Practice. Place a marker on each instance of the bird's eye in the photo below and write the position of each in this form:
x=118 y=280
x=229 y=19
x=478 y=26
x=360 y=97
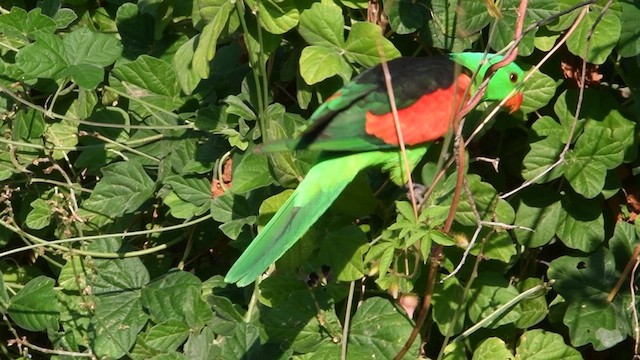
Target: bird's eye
x=513 y=77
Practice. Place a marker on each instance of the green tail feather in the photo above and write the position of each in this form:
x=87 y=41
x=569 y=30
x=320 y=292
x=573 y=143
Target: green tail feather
x=320 y=188
x=322 y=185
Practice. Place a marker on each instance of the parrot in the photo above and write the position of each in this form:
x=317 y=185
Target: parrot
x=354 y=129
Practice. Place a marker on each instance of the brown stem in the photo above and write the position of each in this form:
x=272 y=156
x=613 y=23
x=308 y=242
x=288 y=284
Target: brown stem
x=436 y=251
x=625 y=272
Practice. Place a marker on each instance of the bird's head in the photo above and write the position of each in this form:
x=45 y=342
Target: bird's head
x=502 y=82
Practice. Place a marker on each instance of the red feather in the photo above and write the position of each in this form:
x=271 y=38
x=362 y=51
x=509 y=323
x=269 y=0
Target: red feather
x=426 y=120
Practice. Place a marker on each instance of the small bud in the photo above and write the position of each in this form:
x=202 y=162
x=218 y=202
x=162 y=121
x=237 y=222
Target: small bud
x=409 y=302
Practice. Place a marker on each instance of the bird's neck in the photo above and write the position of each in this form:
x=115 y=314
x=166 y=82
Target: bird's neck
x=475 y=62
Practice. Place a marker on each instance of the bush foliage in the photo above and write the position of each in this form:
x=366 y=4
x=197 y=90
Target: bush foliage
x=129 y=184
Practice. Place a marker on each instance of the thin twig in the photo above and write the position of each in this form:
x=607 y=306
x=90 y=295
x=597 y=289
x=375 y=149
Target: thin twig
x=103 y=255
x=499 y=311
x=347 y=321
x=632 y=290
x=93 y=123
x=474 y=238
x=396 y=121
x=633 y=259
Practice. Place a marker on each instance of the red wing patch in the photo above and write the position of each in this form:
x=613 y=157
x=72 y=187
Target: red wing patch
x=426 y=120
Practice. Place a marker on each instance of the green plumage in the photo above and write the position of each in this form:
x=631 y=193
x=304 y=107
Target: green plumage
x=338 y=128
x=322 y=185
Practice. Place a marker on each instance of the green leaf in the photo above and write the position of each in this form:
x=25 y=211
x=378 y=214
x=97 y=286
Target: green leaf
x=276 y=17
x=35 y=307
x=112 y=275
x=584 y=278
x=51 y=57
x=242 y=343
x=405 y=16
x=595 y=152
x=532 y=310
x=18 y=26
x=4 y=296
x=383 y=341
x=548 y=126
x=594 y=323
x=85 y=75
x=167 y=336
x=537 y=10
x=40 y=215
x=543 y=154
x=294 y=321
x=238 y=107
x=630 y=30
x=499 y=247
x=492 y=348
x=206 y=42
x=150 y=76
x=366 y=45
x=64 y=17
x=343 y=250
x=545 y=39
x=537 y=92
x=490 y=292
x=622 y=243
x=539 y=344
x=250 y=171
x=187 y=75
x=288 y=167
x=454 y=26
x=28 y=124
x=195 y=190
x=85 y=47
x=603 y=39
x=318 y=63
x=201 y=346
x=176 y=296
x=539 y=210
x=621 y=130
x=275 y=290
x=487 y=202
x=118 y=318
x=455 y=351
x=234 y=212
x=125 y=186
x=580 y=223
x=448 y=303
x=322 y=25
x=57 y=135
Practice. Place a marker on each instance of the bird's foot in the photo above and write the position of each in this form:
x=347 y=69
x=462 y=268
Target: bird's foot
x=419 y=191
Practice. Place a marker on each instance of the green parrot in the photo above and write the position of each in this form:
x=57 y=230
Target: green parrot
x=355 y=129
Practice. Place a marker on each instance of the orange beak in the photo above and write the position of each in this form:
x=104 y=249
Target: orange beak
x=513 y=104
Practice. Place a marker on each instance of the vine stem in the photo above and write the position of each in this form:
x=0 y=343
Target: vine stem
x=499 y=311
x=347 y=321
x=54 y=115
x=636 y=325
x=104 y=255
x=630 y=264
